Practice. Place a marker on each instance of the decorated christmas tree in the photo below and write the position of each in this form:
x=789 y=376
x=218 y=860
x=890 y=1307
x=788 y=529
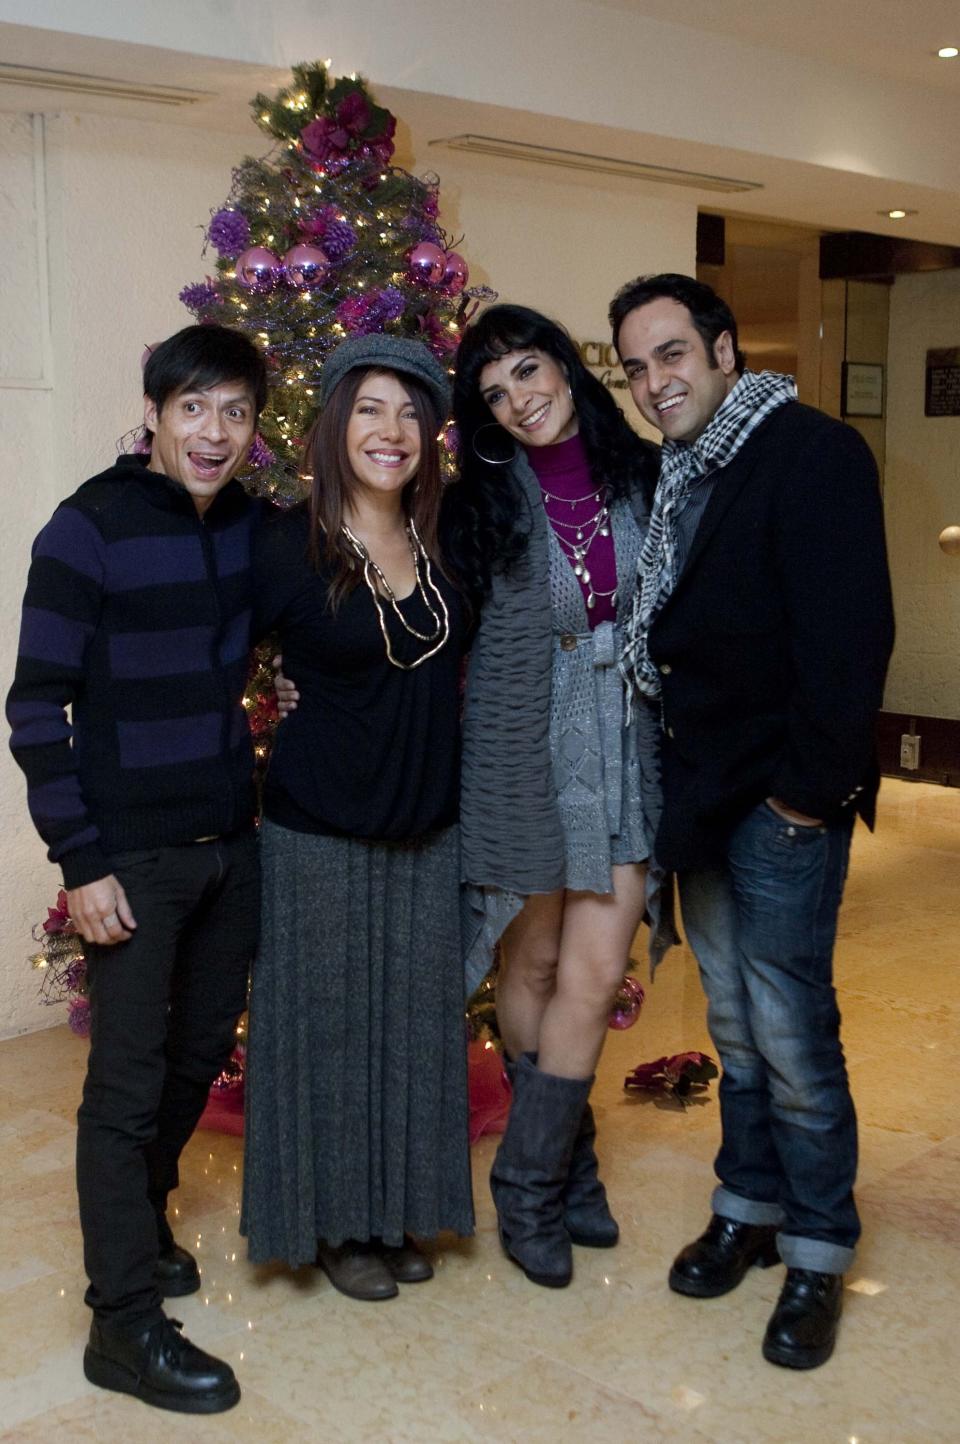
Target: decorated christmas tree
x=321 y=238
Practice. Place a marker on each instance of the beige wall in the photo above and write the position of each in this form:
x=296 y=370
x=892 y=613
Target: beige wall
x=126 y=202
x=921 y=496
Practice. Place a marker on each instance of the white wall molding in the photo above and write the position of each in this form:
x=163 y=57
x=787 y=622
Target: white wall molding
x=42 y=377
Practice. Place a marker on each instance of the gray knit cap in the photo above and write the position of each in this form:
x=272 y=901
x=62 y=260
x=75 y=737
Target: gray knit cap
x=388 y=353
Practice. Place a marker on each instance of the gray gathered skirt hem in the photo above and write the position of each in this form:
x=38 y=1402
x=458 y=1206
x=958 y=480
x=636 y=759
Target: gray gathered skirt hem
x=356 y=1089
x=487 y=911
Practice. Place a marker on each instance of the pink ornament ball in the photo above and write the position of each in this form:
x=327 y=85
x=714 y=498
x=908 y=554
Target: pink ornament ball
x=455 y=273
x=426 y=263
x=258 y=269
x=305 y=265
x=627 y=1004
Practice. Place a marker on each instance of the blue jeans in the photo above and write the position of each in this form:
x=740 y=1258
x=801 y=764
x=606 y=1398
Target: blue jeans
x=762 y=926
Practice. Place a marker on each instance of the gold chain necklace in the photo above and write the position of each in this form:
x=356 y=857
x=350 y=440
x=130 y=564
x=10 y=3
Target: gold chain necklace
x=441 y=619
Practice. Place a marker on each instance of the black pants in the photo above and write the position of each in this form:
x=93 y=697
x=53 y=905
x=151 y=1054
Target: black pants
x=164 y=1007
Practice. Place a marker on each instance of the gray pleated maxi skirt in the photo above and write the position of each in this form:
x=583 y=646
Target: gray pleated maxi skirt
x=356 y=1084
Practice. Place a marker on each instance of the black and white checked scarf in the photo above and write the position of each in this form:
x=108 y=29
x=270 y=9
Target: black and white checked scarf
x=682 y=467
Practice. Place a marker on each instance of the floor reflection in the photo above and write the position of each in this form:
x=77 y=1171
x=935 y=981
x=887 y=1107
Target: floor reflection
x=479 y=1353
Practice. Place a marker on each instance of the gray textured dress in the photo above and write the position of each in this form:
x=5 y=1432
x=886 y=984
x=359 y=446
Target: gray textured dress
x=356 y=1098
x=558 y=784
x=357 y=1084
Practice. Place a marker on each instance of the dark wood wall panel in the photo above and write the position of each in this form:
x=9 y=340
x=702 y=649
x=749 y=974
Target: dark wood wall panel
x=939 y=747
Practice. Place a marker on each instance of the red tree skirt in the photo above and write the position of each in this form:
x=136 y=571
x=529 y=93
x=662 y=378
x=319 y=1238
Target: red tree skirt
x=488 y=1086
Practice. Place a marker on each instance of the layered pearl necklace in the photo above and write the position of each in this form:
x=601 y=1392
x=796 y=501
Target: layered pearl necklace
x=379 y=587
x=577 y=547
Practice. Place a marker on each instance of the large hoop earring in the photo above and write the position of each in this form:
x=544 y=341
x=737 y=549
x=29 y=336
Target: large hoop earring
x=501 y=460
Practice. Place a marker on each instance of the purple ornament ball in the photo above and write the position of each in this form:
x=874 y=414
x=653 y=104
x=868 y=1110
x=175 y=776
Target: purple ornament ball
x=426 y=263
x=455 y=273
x=78 y=1016
x=305 y=265
x=627 y=1004
x=258 y=269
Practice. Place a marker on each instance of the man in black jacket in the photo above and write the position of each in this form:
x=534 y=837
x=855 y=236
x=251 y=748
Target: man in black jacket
x=761 y=630
x=137 y=619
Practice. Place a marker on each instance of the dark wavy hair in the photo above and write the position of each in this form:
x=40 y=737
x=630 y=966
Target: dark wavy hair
x=486 y=526
x=333 y=482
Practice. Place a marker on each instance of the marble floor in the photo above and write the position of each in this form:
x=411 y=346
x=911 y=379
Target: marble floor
x=479 y=1354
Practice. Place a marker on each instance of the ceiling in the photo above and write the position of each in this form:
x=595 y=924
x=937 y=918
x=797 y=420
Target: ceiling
x=818 y=195
x=879 y=37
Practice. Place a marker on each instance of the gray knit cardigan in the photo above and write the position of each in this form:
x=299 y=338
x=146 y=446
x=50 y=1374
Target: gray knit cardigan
x=511 y=828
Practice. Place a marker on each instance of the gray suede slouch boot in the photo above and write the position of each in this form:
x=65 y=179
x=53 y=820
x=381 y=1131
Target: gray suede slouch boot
x=530 y=1170
x=586 y=1212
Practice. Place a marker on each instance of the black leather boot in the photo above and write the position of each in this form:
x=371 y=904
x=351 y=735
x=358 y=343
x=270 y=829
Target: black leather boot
x=586 y=1212
x=160 y=1367
x=530 y=1170
x=716 y=1262
x=803 y=1327
x=177 y=1271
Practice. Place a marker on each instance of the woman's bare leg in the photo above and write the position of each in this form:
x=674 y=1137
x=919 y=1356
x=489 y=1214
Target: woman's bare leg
x=527 y=980
x=595 y=938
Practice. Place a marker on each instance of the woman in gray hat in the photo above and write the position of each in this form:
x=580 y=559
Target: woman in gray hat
x=356 y=1128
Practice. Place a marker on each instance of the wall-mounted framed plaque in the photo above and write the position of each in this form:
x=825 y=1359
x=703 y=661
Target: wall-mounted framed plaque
x=862 y=392
x=942 y=394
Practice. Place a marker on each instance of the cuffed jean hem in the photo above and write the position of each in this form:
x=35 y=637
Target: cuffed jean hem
x=746 y=1210
x=815 y=1254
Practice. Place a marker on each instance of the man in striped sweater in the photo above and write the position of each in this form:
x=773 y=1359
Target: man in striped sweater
x=137 y=620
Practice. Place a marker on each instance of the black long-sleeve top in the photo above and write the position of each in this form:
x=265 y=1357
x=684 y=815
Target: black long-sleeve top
x=372 y=751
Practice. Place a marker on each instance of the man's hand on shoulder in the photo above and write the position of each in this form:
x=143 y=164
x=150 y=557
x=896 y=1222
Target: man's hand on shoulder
x=800 y=819
x=100 y=911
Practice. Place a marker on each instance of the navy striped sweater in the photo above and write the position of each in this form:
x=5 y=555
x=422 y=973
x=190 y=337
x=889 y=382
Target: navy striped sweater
x=137 y=620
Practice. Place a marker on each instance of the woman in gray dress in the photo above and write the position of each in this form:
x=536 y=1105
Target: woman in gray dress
x=356 y=1125
x=559 y=786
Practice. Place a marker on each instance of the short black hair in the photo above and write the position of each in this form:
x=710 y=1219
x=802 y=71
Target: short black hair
x=199 y=357
x=709 y=313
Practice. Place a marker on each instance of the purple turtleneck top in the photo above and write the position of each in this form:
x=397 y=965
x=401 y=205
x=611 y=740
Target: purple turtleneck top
x=571 y=500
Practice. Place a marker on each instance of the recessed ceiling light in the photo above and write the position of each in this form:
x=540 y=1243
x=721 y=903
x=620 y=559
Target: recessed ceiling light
x=948 y=52
x=897 y=214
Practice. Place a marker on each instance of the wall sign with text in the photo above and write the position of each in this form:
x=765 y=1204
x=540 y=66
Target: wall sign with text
x=942 y=395
x=602 y=356
x=862 y=392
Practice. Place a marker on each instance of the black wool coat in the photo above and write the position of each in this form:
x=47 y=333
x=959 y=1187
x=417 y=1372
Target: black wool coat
x=774 y=645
